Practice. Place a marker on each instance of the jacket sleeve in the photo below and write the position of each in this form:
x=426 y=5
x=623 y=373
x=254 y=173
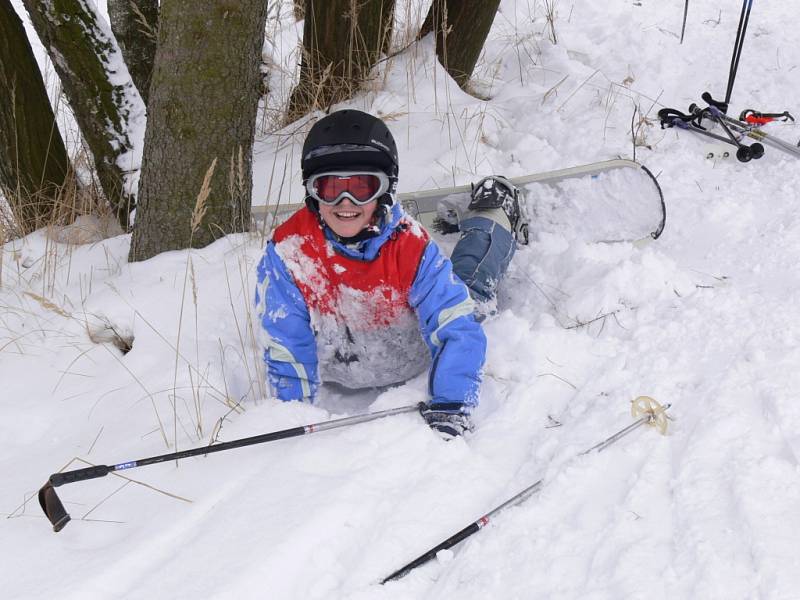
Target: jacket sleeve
x=455 y=339
x=290 y=349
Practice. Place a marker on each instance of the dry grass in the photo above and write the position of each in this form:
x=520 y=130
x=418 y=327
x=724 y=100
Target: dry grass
x=79 y=196
x=200 y=207
x=198 y=213
x=24 y=212
x=641 y=124
x=48 y=305
x=8 y=233
x=550 y=16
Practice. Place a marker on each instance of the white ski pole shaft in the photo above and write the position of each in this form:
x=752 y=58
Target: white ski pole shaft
x=653 y=414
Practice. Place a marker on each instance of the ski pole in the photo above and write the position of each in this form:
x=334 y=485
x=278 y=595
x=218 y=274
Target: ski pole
x=674 y=118
x=58 y=517
x=744 y=18
x=671 y=117
x=745 y=129
x=752 y=132
x=649 y=412
x=716 y=114
x=758 y=118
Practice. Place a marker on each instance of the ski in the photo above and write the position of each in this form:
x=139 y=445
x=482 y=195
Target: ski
x=748 y=125
x=610 y=201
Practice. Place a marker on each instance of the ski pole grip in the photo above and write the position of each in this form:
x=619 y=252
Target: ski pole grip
x=57 y=479
x=708 y=99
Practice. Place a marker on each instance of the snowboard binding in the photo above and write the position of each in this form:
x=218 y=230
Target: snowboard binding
x=495 y=192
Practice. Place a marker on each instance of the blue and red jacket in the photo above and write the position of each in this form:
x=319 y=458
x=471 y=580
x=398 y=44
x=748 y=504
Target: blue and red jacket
x=368 y=314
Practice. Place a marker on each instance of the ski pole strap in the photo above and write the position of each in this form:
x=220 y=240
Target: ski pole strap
x=755 y=117
x=53 y=508
x=672 y=117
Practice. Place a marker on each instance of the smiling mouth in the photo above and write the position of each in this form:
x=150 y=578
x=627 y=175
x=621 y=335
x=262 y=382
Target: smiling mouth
x=347 y=215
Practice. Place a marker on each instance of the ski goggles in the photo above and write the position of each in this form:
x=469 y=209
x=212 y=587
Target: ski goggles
x=360 y=187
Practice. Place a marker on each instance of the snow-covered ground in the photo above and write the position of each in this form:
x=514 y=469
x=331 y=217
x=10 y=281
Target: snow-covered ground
x=707 y=319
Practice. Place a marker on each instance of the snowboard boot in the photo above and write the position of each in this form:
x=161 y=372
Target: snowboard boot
x=496 y=198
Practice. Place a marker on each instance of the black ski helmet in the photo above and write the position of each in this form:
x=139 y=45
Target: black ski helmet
x=350 y=139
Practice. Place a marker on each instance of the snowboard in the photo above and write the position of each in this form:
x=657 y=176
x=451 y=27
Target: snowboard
x=611 y=201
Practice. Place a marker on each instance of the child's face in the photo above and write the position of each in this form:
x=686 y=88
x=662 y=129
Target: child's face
x=347 y=219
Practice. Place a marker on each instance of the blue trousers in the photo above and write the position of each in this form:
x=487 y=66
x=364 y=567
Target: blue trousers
x=482 y=256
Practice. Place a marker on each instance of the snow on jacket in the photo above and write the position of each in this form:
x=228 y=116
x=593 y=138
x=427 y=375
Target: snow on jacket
x=368 y=314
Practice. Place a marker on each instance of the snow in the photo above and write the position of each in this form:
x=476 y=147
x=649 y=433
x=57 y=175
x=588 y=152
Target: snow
x=707 y=319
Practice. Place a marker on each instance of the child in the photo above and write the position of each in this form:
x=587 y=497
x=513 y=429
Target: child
x=351 y=290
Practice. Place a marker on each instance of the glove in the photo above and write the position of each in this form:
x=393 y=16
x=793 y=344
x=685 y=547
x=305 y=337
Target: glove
x=444 y=226
x=448 y=420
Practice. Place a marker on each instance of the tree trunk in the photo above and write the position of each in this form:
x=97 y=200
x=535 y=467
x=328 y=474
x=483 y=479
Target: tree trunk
x=106 y=105
x=461 y=28
x=203 y=102
x=33 y=161
x=388 y=25
x=135 y=25
x=342 y=40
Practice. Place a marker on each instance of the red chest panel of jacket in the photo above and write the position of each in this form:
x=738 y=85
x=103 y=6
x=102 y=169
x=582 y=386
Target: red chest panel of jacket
x=358 y=293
